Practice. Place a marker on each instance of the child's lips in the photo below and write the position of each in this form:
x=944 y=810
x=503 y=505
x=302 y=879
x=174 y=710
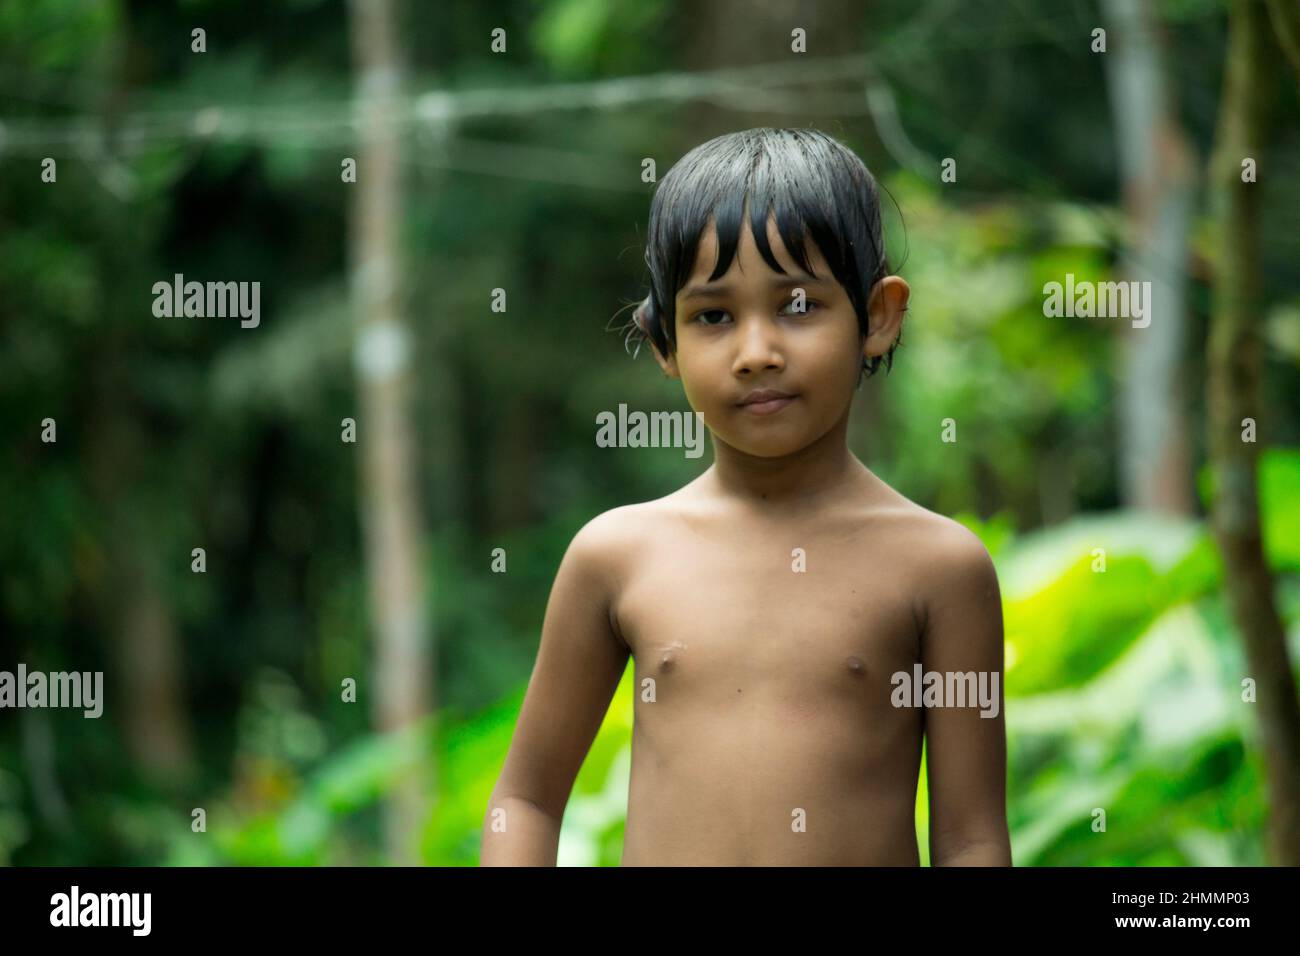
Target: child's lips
x=768 y=406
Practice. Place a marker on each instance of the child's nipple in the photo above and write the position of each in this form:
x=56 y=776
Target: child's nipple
x=670 y=655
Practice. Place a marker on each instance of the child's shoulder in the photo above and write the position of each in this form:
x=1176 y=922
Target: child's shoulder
x=610 y=530
x=615 y=542
x=941 y=544
x=609 y=542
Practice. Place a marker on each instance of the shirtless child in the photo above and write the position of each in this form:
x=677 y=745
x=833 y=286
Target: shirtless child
x=771 y=604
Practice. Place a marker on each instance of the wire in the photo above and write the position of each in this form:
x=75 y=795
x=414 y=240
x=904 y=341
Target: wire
x=334 y=122
x=439 y=107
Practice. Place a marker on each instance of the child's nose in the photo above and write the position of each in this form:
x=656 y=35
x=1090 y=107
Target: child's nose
x=759 y=346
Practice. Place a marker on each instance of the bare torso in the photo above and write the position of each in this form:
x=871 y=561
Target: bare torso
x=764 y=732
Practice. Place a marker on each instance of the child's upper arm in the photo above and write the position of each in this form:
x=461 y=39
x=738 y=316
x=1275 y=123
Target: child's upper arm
x=579 y=663
x=965 y=751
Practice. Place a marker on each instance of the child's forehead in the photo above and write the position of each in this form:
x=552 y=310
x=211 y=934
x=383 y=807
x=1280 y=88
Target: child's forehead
x=747 y=254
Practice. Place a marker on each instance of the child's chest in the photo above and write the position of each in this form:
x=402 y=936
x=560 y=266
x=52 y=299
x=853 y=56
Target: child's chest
x=787 y=613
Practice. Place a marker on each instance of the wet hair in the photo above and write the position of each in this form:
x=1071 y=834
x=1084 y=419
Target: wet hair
x=811 y=182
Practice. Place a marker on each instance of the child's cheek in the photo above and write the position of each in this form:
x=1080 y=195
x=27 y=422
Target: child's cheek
x=698 y=402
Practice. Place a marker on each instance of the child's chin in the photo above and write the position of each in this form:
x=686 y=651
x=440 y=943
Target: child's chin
x=767 y=446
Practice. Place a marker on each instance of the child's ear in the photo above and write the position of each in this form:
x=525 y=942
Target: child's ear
x=886 y=307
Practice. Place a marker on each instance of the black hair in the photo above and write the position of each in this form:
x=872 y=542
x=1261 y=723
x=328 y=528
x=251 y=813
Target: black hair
x=810 y=181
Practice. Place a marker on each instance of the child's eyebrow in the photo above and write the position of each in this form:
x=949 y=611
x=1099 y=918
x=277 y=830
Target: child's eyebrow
x=777 y=282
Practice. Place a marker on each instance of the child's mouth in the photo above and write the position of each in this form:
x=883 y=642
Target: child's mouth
x=769 y=406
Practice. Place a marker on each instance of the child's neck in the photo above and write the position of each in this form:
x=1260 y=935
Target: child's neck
x=811 y=477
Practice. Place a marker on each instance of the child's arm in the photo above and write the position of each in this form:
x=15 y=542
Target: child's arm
x=579 y=664
x=965 y=752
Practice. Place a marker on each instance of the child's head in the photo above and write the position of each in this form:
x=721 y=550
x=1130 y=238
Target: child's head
x=758 y=216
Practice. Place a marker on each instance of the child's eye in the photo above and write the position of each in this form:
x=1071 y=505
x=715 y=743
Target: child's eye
x=808 y=306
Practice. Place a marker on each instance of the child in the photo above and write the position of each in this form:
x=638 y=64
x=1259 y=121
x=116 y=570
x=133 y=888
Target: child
x=775 y=606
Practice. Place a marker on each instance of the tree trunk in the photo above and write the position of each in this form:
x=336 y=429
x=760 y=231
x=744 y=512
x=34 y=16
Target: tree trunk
x=149 y=661
x=155 y=718
x=738 y=33
x=132 y=600
x=1156 y=165
x=1233 y=394
x=401 y=691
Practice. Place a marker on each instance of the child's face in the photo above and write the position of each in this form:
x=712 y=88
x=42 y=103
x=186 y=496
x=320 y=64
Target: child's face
x=745 y=333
